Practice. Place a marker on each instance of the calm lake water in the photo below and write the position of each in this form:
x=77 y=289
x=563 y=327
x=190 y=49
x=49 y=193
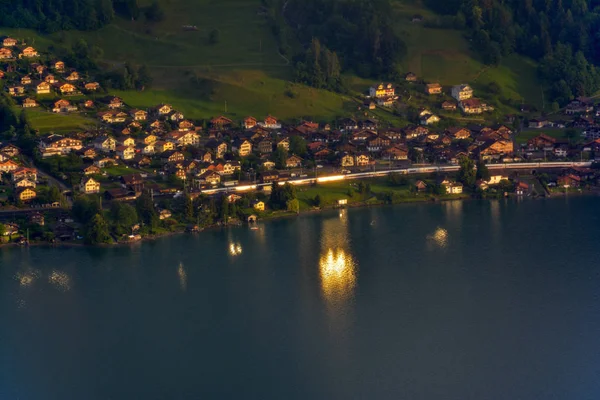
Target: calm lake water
x=459 y=300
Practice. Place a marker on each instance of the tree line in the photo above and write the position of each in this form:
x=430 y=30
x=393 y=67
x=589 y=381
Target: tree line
x=562 y=35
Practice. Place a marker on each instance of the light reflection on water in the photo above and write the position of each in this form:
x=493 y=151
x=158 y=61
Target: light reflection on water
x=337 y=268
x=182 y=274
x=60 y=279
x=439 y=238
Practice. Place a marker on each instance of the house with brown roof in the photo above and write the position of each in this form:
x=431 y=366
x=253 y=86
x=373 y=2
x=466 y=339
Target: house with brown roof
x=249 y=122
x=92 y=86
x=28 y=52
x=9 y=42
x=59 y=66
x=67 y=88
x=125 y=152
x=43 y=88
x=73 y=76
x=8 y=166
x=164 y=109
x=5 y=54
x=471 y=106
x=89 y=185
x=293 y=161
x=395 y=153
x=16 y=90
x=29 y=103
x=433 y=88
x=458 y=133
x=63 y=105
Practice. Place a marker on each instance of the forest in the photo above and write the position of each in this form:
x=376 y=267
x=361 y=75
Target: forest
x=562 y=35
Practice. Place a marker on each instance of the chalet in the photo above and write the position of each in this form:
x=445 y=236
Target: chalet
x=67 y=88
x=164 y=109
x=104 y=162
x=538 y=123
x=146 y=148
x=383 y=90
x=453 y=187
x=91 y=170
x=323 y=154
x=258 y=205
x=385 y=101
x=293 y=162
x=185 y=125
x=242 y=147
x=28 y=52
x=113 y=117
x=50 y=79
x=410 y=77
x=164 y=214
x=24 y=173
x=232 y=198
x=377 y=143
x=363 y=160
x=43 y=88
x=209 y=177
x=115 y=103
x=8 y=166
x=26 y=194
x=347 y=160
x=161 y=146
x=395 y=153
x=270 y=122
x=580 y=105
x=433 y=88
x=58 y=145
x=448 y=106
x=38 y=68
x=105 y=143
x=133 y=182
x=29 y=103
x=230 y=167
x=541 y=142
x=221 y=122
x=458 y=133
x=471 y=106
x=23 y=183
x=16 y=90
x=73 y=76
x=268 y=165
x=492 y=149
x=89 y=185
x=5 y=54
x=569 y=180
x=205 y=156
x=92 y=86
x=9 y=42
x=462 y=92
x=429 y=119
x=59 y=66
x=150 y=138
x=416 y=132
x=125 y=152
x=125 y=140
x=284 y=144
x=26 y=80
x=10 y=150
x=420 y=186
x=176 y=116
x=172 y=156
x=349 y=124
x=184 y=138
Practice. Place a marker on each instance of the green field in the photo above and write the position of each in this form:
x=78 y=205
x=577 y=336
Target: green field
x=47 y=122
x=243 y=74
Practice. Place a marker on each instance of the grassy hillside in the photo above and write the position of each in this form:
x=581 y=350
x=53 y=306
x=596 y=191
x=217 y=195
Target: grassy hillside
x=244 y=73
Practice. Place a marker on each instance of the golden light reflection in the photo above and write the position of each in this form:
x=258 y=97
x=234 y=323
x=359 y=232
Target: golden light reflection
x=439 y=237
x=235 y=249
x=60 y=279
x=26 y=279
x=337 y=268
x=182 y=277
x=338 y=278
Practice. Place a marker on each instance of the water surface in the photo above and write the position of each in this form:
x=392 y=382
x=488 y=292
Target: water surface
x=459 y=300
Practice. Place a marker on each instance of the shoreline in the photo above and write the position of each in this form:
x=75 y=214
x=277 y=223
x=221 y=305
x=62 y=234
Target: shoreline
x=286 y=215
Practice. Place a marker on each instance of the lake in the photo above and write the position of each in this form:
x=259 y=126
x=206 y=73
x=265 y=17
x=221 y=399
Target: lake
x=454 y=300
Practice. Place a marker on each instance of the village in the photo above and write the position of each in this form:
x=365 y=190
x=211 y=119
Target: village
x=160 y=153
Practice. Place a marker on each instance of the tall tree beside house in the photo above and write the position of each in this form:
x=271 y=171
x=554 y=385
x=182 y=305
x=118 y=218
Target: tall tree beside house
x=482 y=171
x=279 y=157
x=298 y=146
x=189 y=209
x=96 y=231
x=146 y=210
x=466 y=173
x=123 y=216
x=280 y=195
